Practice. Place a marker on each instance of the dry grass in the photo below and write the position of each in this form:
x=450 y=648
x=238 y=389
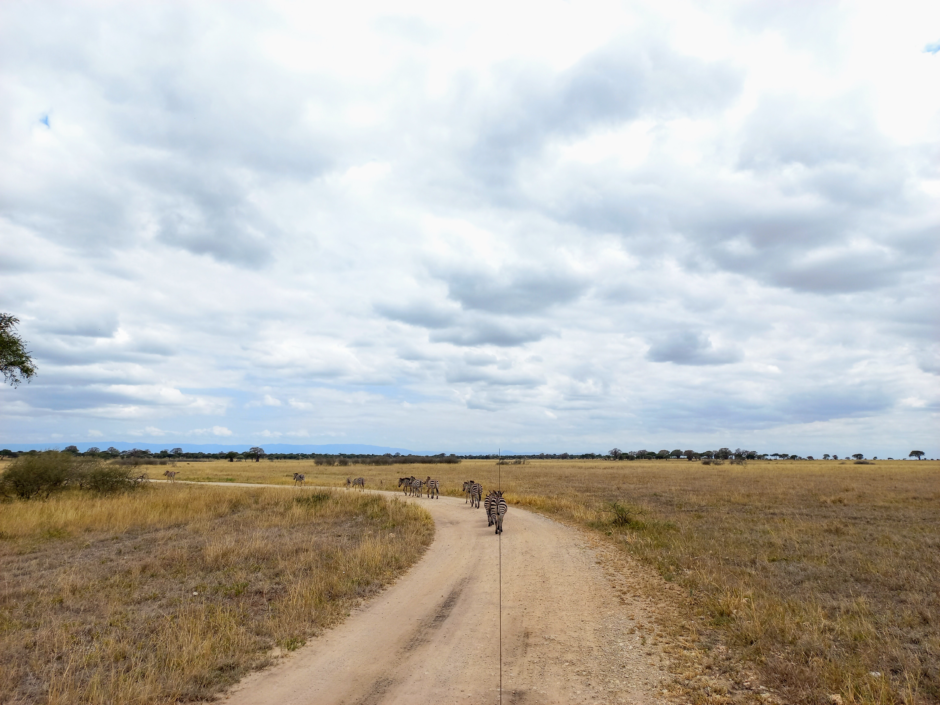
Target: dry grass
x=820 y=574
x=174 y=592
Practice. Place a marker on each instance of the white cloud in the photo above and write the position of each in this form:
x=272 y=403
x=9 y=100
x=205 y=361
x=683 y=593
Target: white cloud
x=472 y=228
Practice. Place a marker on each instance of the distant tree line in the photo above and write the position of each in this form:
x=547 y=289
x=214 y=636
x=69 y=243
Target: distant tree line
x=257 y=454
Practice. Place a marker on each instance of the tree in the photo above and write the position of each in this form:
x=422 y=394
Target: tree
x=16 y=361
x=231 y=455
x=615 y=453
x=256 y=453
x=919 y=454
x=826 y=456
x=835 y=457
x=113 y=451
x=689 y=454
x=723 y=453
x=93 y=451
x=177 y=452
x=71 y=449
x=858 y=456
x=676 y=453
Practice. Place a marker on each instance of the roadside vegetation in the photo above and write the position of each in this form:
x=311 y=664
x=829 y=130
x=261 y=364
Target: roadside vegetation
x=821 y=576
x=172 y=592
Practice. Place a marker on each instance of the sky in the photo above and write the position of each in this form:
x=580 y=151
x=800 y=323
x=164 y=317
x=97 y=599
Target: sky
x=550 y=227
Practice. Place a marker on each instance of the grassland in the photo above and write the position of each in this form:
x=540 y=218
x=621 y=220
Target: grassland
x=171 y=593
x=823 y=575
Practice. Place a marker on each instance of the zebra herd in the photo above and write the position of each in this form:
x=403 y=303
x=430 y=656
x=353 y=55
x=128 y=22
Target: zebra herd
x=494 y=504
x=411 y=486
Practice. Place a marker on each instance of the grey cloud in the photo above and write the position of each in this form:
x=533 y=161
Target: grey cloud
x=489 y=333
x=424 y=314
x=627 y=78
x=101 y=326
x=502 y=378
x=688 y=348
x=522 y=291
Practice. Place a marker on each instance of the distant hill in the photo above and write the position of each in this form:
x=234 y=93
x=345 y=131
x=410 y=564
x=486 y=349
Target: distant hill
x=330 y=448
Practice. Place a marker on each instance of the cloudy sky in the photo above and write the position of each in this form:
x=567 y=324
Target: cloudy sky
x=543 y=226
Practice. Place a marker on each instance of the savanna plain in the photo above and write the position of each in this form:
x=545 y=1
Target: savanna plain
x=818 y=580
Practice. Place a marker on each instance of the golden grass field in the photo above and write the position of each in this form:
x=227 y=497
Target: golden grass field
x=822 y=575
x=172 y=592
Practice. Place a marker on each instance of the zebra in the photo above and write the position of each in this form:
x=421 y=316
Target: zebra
x=416 y=486
x=476 y=491
x=359 y=482
x=170 y=475
x=433 y=486
x=405 y=484
x=498 y=509
x=466 y=490
x=299 y=478
x=488 y=505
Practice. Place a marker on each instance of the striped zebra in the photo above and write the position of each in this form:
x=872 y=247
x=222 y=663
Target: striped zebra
x=416 y=487
x=405 y=484
x=299 y=478
x=171 y=475
x=434 y=486
x=359 y=482
x=498 y=509
x=466 y=490
x=488 y=504
x=476 y=491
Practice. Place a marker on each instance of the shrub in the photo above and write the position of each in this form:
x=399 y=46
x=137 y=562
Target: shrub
x=104 y=479
x=37 y=474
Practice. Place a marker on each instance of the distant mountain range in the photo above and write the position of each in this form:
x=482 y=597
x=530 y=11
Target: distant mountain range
x=330 y=448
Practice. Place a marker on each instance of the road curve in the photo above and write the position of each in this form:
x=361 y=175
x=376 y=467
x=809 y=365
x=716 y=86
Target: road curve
x=568 y=636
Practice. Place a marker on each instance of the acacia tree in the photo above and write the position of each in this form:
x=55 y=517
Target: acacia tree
x=16 y=362
x=858 y=456
x=256 y=453
x=919 y=454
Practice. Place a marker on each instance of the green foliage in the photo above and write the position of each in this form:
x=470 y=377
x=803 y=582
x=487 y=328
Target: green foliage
x=16 y=362
x=37 y=474
x=104 y=479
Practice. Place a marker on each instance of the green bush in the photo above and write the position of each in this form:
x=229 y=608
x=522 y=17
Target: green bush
x=104 y=479
x=37 y=474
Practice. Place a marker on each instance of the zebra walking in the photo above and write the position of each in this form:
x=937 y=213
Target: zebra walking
x=405 y=484
x=498 y=509
x=359 y=482
x=466 y=490
x=476 y=492
x=488 y=505
x=434 y=486
x=299 y=478
x=416 y=487
x=171 y=475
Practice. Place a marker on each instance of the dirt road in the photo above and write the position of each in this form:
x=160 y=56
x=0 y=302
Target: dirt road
x=570 y=633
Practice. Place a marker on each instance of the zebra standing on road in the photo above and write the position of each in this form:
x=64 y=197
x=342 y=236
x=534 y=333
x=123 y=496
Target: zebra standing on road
x=498 y=509
x=171 y=475
x=466 y=490
x=405 y=484
x=433 y=486
x=416 y=487
x=358 y=482
x=488 y=505
x=299 y=478
x=476 y=491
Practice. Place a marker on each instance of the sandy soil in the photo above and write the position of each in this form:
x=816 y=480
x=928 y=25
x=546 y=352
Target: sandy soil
x=571 y=631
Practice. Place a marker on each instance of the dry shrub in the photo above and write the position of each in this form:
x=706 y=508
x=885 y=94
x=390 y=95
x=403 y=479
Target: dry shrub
x=172 y=594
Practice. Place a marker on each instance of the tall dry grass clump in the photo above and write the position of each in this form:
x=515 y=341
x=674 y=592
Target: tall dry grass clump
x=172 y=593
